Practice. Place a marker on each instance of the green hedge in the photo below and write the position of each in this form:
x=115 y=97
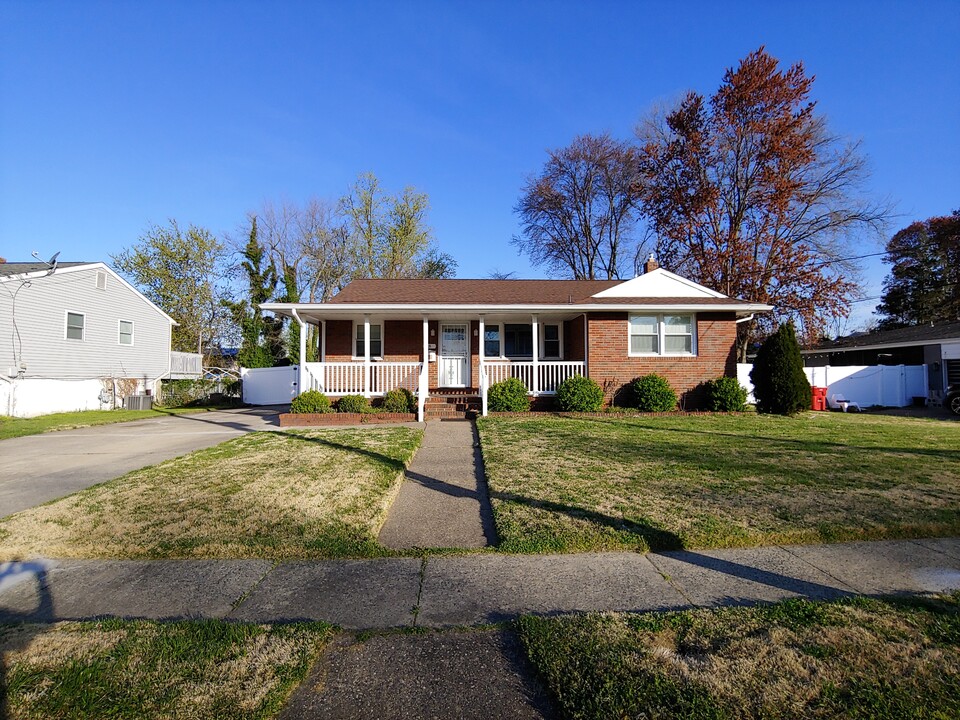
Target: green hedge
x=311 y=401
x=399 y=400
x=652 y=393
x=353 y=404
x=508 y=395
x=725 y=394
x=580 y=394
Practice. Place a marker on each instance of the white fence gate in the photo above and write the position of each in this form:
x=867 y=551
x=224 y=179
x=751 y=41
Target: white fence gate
x=866 y=385
x=269 y=386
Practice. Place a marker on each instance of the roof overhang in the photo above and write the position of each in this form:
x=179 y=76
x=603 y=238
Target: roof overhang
x=321 y=311
x=879 y=346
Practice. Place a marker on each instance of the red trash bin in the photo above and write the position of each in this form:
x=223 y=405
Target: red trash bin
x=819 y=400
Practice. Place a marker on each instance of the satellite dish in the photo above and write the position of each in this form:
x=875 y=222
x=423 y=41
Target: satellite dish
x=51 y=263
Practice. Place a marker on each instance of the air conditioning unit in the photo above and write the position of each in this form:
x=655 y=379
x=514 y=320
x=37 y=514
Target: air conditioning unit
x=138 y=402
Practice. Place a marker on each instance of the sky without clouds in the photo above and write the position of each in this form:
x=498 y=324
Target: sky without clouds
x=117 y=115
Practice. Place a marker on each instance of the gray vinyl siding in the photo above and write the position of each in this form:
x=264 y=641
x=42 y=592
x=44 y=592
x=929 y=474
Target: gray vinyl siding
x=41 y=316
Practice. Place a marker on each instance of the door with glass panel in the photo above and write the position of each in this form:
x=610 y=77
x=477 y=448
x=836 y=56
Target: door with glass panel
x=454 y=360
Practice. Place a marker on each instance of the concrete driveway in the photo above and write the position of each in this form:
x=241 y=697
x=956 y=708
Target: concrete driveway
x=39 y=468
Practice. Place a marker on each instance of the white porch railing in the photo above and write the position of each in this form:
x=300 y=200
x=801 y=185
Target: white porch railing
x=346 y=378
x=542 y=378
x=185 y=365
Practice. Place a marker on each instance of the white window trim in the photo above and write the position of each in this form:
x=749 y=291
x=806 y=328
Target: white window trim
x=500 y=356
x=543 y=340
x=133 y=338
x=353 y=339
x=83 y=329
x=662 y=334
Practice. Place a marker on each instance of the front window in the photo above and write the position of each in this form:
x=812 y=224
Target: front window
x=518 y=340
x=491 y=341
x=126 y=332
x=551 y=341
x=74 y=326
x=661 y=334
x=376 y=341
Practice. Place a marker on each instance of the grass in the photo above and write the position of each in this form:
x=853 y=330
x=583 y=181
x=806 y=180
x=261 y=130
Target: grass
x=19 y=427
x=666 y=482
x=139 y=669
x=854 y=658
x=277 y=495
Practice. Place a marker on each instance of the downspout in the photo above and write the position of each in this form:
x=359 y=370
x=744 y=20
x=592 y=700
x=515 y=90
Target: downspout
x=748 y=318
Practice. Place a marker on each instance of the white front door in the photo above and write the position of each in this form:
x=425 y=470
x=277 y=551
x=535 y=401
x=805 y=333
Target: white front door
x=454 y=370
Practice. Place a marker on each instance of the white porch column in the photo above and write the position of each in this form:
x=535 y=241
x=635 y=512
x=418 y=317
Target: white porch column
x=424 y=371
x=483 y=371
x=366 y=356
x=535 y=325
x=302 y=364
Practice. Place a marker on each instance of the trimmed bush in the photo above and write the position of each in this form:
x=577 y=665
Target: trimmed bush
x=508 y=395
x=725 y=394
x=311 y=401
x=580 y=394
x=399 y=400
x=353 y=404
x=652 y=393
x=779 y=383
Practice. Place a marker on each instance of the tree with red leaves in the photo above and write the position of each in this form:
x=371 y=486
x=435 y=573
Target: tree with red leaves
x=748 y=193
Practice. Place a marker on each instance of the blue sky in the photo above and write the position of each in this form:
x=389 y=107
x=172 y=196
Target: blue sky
x=117 y=115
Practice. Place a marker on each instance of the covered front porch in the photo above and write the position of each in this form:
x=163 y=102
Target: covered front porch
x=373 y=353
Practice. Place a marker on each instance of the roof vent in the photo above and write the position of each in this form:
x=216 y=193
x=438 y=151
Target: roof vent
x=101 y=280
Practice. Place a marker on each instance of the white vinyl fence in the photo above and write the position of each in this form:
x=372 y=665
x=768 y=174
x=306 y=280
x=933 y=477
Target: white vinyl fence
x=866 y=385
x=269 y=386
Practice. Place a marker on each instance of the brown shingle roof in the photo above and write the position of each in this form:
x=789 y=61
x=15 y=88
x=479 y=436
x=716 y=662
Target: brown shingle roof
x=472 y=292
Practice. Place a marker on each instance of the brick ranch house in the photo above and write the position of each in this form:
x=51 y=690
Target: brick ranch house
x=458 y=337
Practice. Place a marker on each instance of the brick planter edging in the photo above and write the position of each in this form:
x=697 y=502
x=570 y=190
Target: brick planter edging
x=319 y=419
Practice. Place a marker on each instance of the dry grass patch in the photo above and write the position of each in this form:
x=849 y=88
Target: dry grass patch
x=569 y=484
x=310 y=494
x=854 y=658
x=122 y=669
x=11 y=427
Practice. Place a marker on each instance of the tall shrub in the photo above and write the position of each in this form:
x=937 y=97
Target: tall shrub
x=652 y=393
x=779 y=384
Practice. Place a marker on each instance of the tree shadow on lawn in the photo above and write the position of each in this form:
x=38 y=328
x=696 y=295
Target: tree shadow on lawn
x=655 y=537
x=811 y=446
x=391 y=462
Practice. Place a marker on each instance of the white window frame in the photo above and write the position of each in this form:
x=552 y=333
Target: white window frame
x=662 y=335
x=66 y=325
x=543 y=340
x=499 y=355
x=358 y=327
x=120 y=333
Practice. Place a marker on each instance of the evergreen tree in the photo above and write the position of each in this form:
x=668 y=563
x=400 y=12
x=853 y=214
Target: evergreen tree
x=779 y=384
x=260 y=345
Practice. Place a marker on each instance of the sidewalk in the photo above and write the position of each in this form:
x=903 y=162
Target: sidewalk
x=442 y=592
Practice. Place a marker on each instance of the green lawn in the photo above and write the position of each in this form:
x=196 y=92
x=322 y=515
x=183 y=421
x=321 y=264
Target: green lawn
x=279 y=495
x=562 y=484
x=208 y=670
x=857 y=658
x=18 y=427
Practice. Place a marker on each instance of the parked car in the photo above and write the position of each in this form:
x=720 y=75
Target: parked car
x=953 y=399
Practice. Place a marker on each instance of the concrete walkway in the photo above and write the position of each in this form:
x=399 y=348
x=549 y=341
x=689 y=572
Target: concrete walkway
x=443 y=502
x=445 y=592
x=38 y=468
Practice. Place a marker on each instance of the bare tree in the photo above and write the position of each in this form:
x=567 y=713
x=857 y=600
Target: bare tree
x=748 y=193
x=579 y=214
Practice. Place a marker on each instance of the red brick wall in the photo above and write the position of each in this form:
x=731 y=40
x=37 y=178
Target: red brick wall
x=339 y=340
x=610 y=365
x=573 y=339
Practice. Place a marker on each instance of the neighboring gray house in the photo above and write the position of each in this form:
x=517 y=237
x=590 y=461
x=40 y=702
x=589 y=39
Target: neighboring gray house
x=79 y=337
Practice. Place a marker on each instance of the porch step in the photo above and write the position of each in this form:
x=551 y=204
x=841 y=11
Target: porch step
x=451 y=406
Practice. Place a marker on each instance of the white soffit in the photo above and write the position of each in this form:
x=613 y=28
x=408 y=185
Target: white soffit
x=659 y=283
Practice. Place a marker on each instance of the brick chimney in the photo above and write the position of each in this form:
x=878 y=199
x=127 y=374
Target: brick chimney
x=651 y=264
